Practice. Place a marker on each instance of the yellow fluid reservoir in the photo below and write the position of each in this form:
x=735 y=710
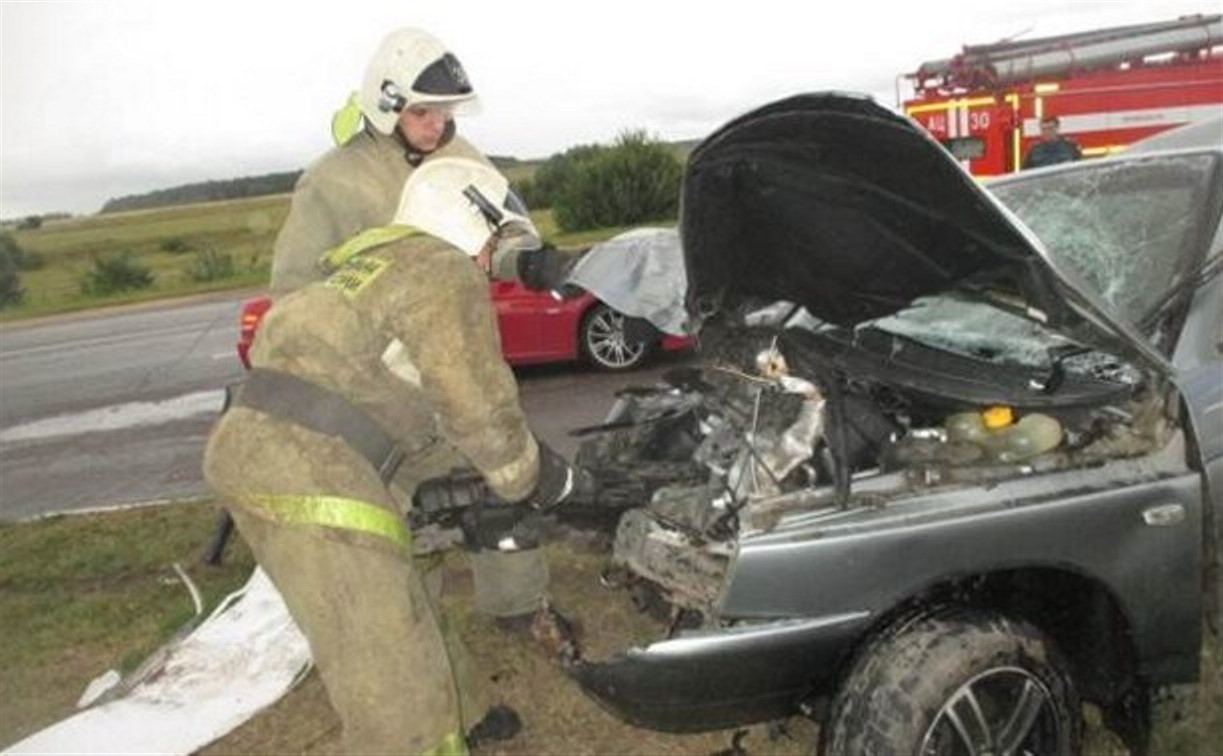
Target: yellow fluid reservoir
x=966 y=426
x=1031 y=436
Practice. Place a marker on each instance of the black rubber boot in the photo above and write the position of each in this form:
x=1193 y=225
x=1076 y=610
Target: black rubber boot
x=554 y=633
x=500 y=722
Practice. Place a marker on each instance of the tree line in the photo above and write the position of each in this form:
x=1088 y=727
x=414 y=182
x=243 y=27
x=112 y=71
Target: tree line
x=634 y=180
x=206 y=191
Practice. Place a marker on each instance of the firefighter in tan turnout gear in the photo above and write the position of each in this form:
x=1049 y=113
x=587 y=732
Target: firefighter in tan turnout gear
x=392 y=361
x=402 y=117
x=403 y=114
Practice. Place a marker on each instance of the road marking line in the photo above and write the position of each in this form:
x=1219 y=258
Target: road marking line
x=118 y=417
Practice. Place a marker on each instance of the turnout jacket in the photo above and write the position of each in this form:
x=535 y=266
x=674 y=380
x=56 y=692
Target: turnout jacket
x=407 y=333
x=354 y=187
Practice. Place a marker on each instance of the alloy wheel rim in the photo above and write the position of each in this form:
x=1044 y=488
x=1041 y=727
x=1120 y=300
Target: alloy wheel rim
x=605 y=339
x=1006 y=711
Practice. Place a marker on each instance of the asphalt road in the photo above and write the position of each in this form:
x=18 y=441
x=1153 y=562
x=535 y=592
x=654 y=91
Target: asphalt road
x=115 y=408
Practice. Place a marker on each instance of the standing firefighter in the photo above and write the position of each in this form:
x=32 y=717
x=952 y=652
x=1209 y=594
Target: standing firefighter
x=403 y=117
x=392 y=361
x=403 y=114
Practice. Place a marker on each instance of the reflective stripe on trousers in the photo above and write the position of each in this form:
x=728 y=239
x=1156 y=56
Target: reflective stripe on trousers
x=334 y=512
x=451 y=745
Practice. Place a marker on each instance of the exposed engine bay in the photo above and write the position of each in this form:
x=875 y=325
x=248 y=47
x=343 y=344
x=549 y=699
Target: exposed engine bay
x=788 y=416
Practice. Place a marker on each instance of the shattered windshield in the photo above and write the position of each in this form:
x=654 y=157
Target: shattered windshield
x=1129 y=230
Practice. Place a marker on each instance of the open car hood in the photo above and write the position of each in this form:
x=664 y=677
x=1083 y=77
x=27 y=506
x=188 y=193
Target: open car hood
x=851 y=210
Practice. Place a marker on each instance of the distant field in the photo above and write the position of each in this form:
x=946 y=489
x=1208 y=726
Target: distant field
x=169 y=241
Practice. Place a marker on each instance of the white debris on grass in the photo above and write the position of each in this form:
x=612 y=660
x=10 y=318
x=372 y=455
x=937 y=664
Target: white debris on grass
x=243 y=658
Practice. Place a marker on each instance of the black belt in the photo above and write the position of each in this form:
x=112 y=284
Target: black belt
x=323 y=411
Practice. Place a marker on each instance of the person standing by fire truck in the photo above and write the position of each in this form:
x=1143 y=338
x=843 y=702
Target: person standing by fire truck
x=1052 y=148
x=402 y=117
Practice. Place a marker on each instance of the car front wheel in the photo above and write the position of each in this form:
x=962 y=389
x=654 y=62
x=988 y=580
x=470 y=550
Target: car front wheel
x=973 y=684
x=605 y=344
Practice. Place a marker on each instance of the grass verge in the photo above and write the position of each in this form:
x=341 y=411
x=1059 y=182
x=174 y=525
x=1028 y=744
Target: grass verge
x=86 y=593
x=82 y=594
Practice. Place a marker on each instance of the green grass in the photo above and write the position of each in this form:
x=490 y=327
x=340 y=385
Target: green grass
x=82 y=594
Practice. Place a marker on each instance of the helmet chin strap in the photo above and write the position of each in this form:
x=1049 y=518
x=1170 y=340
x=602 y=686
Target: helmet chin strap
x=414 y=156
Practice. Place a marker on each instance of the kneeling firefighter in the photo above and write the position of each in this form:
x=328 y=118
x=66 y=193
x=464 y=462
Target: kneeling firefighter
x=390 y=365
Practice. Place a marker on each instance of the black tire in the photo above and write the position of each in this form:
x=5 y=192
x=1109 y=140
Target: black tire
x=604 y=344
x=967 y=684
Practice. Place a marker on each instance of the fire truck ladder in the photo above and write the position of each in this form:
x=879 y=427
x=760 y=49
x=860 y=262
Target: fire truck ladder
x=1004 y=63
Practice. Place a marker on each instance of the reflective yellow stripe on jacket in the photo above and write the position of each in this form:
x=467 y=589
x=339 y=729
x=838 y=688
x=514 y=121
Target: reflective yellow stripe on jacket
x=334 y=258
x=335 y=512
x=346 y=122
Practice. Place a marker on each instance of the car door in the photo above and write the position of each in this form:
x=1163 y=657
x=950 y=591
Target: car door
x=531 y=323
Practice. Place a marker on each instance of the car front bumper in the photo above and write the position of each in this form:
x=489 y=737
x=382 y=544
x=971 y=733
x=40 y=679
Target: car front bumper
x=711 y=679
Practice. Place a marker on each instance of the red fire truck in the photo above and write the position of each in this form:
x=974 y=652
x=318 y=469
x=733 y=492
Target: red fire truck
x=1107 y=88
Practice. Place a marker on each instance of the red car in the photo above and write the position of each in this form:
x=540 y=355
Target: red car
x=536 y=327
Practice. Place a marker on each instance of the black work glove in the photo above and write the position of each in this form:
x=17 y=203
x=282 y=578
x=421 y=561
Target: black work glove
x=500 y=527
x=543 y=268
x=463 y=500
x=442 y=500
x=560 y=482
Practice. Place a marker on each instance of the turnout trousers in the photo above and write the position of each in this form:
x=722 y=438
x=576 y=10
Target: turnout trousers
x=327 y=531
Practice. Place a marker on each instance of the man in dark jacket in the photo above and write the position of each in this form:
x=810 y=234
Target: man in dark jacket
x=1052 y=148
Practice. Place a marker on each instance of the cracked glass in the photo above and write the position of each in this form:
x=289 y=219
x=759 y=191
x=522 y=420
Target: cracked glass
x=1130 y=231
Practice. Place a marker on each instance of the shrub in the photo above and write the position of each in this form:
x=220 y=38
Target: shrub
x=525 y=189
x=552 y=178
x=211 y=265
x=175 y=245
x=634 y=181
x=11 y=291
x=111 y=274
x=21 y=258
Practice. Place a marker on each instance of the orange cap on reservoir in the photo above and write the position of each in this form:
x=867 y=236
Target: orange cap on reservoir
x=998 y=416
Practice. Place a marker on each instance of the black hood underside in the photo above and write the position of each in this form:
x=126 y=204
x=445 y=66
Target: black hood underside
x=843 y=206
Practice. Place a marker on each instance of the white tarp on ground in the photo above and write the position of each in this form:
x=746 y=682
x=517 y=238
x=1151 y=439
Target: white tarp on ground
x=243 y=658
x=641 y=274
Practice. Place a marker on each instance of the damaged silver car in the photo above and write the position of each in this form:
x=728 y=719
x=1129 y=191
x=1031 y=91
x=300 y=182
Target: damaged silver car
x=943 y=474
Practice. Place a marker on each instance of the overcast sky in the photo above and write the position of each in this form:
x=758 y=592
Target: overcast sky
x=106 y=98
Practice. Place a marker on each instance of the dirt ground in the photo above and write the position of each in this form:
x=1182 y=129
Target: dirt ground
x=557 y=717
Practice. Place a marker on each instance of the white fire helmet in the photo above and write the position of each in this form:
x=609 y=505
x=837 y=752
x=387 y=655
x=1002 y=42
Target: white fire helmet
x=463 y=201
x=412 y=67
